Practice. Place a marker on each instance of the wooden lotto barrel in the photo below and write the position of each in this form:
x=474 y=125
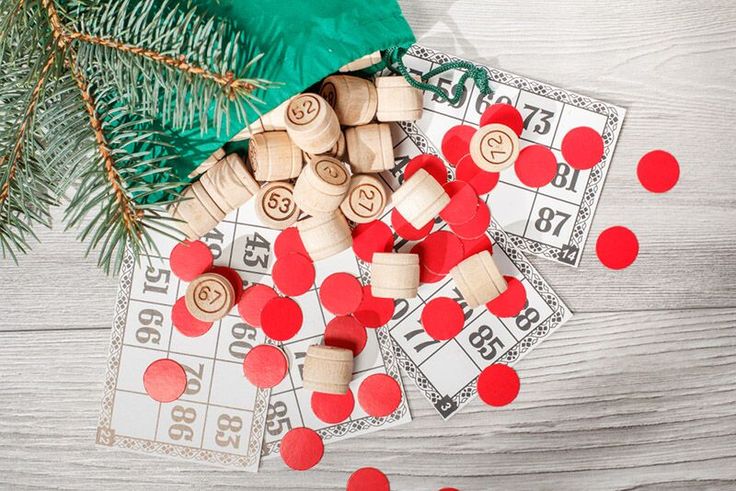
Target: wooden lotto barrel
x=394 y=275
x=322 y=185
x=197 y=211
x=370 y=148
x=478 y=279
x=328 y=369
x=494 y=147
x=354 y=99
x=338 y=151
x=366 y=199
x=325 y=235
x=274 y=156
x=275 y=206
x=397 y=100
x=363 y=62
x=210 y=297
x=229 y=183
x=420 y=199
x=312 y=124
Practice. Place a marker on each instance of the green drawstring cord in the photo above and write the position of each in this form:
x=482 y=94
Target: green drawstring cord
x=392 y=57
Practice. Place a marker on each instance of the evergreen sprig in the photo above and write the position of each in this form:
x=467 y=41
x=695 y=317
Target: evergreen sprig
x=85 y=86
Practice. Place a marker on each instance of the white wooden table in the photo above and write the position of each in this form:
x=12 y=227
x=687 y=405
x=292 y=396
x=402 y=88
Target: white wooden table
x=637 y=391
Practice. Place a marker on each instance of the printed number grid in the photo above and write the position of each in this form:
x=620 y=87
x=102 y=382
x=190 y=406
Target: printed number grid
x=553 y=221
x=485 y=339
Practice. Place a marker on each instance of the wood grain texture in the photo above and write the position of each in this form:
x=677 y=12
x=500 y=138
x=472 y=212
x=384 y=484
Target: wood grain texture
x=612 y=400
x=636 y=392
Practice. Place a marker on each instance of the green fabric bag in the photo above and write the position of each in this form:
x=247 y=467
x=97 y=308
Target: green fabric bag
x=302 y=41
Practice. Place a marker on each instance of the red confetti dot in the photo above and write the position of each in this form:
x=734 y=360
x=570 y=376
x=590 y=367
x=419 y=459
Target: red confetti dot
x=658 y=171
x=368 y=479
x=498 y=385
x=302 y=448
x=463 y=202
x=165 y=380
x=341 y=293
x=617 y=247
x=406 y=230
x=582 y=148
x=510 y=302
x=190 y=259
x=185 y=322
x=373 y=311
x=443 y=318
x=293 y=274
x=252 y=301
x=281 y=318
x=483 y=182
x=233 y=278
x=265 y=366
x=477 y=226
x=372 y=237
x=332 y=408
x=432 y=164
x=449 y=489
x=504 y=114
x=439 y=252
x=456 y=143
x=536 y=166
x=471 y=247
x=346 y=332
x=379 y=395
x=426 y=276
x=289 y=241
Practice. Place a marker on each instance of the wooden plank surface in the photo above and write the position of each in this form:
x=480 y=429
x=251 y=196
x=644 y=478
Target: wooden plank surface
x=637 y=392
x=613 y=400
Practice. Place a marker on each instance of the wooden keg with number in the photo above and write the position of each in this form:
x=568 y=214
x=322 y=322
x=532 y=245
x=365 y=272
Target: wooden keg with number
x=273 y=156
x=312 y=124
x=322 y=185
x=354 y=99
x=325 y=235
x=478 y=279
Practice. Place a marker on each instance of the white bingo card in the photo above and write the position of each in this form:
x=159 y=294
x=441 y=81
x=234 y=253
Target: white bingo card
x=446 y=371
x=553 y=221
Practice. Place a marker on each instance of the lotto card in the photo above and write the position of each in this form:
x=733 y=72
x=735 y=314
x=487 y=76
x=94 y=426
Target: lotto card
x=220 y=417
x=446 y=371
x=553 y=221
x=290 y=405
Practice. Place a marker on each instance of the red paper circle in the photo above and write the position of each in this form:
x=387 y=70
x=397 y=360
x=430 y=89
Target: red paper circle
x=504 y=114
x=471 y=247
x=406 y=230
x=265 y=366
x=332 y=408
x=374 y=311
x=483 y=182
x=368 y=479
x=379 y=395
x=233 y=278
x=281 y=318
x=289 y=241
x=372 y=237
x=432 y=164
x=510 y=302
x=463 y=203
x=456 y=143
x=536 y=166
x=426 y=276
x=439 y=252
x=582 y=148
x=346 y=332
x=498 y=385
x=477 y=226
x=186 y=323
x=617 y=247
x=301 y=448
x=293 y=274
x=190 y=259
x=341 y=293
x=658 y=171
x=443 y=318
x=252 y=301
x=165 y=380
